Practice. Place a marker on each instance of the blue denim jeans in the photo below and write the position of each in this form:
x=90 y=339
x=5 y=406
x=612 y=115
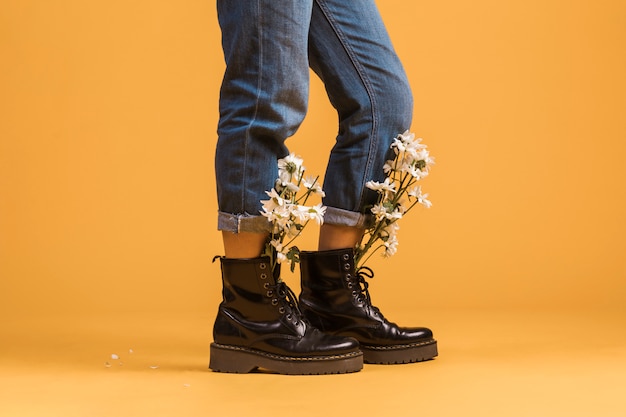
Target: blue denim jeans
x=269 y=46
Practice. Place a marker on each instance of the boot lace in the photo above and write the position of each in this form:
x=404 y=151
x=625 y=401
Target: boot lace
x=287 y=301
x=363 y=296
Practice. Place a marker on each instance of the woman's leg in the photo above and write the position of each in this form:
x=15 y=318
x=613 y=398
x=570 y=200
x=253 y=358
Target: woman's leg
x=263 y=100
x=350 y=50
x=334 y=236
x=243 y=244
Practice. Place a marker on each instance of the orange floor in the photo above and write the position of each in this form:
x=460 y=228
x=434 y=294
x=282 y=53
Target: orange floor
x=491 y=363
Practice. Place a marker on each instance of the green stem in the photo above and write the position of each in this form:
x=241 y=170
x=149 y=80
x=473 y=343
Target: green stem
x=358 y=266
x=299 y=232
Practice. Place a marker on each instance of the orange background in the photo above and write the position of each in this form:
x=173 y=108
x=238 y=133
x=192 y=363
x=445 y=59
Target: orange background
x=108 y=112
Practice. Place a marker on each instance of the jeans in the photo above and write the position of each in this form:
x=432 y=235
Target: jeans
x=269 y=46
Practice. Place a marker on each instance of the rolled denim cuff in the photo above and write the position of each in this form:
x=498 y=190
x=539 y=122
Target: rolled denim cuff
x=340 y=217
x=237 y=223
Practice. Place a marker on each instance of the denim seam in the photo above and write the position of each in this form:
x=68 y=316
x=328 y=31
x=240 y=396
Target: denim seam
x=256 y=108
x=370 y=93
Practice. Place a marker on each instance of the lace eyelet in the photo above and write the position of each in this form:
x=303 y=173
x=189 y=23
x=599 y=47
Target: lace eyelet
x=350 y=284
x=263 y=276
x=289 y=316
x=275 y=301
x=266 y=285
x=355 y=293
x=262 y=266
x=345 y=256
x=346 y=266
x=281 y=310
x=270 y=293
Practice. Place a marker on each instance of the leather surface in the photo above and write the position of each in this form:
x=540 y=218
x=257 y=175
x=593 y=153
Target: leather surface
x=335 y=299
x=257 y=312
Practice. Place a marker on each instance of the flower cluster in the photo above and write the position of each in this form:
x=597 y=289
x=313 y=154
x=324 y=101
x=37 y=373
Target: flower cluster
x=287 y=211
x=397 y=195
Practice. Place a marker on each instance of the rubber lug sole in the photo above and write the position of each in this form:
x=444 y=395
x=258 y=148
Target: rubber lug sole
x=235 y=359
x=397 y=354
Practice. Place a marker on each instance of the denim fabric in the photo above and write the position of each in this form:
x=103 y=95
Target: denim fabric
x=269 y=46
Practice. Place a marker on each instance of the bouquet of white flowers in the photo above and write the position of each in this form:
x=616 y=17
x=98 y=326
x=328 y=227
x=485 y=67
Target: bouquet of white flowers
x=397 y=195
x=287 y=211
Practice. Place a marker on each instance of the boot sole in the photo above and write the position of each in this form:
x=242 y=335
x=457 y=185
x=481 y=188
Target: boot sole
x=397 y=354
x=236 y=359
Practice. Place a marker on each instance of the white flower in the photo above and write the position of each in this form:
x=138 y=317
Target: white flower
x=394 y=215
x=281 y=257
x=407 y=136
x=300 y=213
x=290 y=167
x=391 y=246
x=425 y=201
x=416 y=192
x=386 y=187
x=379 y=211
x=424 y=155
x=407 y=147
x=312 y=184
x=280 y=216
x=291 y=187
x=413 y=171
x=389 y=166
x=284 y=178
x=276 y=244
x=397 y=195
x=398 y=146
x=410 y=141
x=274 y=201
x=390 y=230
x=287 y=218
x=316 y=213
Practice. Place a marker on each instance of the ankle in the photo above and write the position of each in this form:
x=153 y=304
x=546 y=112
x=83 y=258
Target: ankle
x=339 y=237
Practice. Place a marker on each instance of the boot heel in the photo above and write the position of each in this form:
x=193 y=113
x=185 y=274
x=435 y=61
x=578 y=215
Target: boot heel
x=232 y=361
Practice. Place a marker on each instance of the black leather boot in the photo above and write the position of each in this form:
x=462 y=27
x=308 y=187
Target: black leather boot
x=337 y=301
x=259 y=325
